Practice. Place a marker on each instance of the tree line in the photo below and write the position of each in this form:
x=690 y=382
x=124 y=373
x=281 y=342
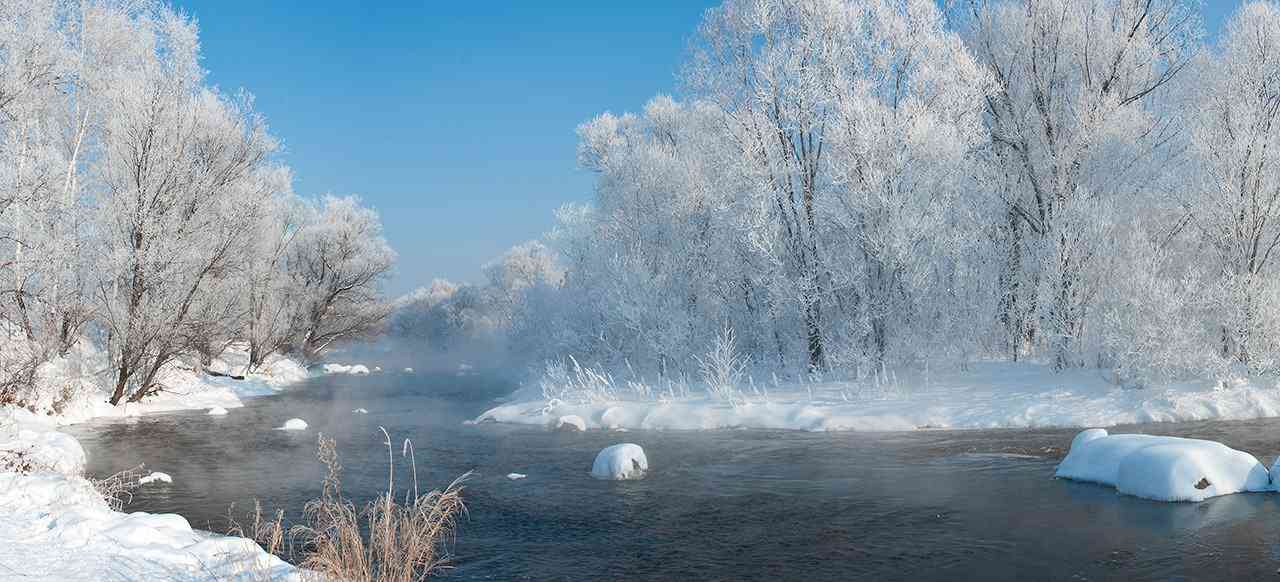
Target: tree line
x=145 y=210
x=852 y=186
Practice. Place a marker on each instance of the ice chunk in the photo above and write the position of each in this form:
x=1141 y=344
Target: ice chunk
x=294 y=424
x=156 y=476
x=571 y=423
x=516 y=476
x=216 y=411
x=360 y=411
x=618 y=462
x=1162 y=468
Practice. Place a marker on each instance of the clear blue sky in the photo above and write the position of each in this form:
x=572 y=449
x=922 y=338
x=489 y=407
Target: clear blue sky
x=454 y=119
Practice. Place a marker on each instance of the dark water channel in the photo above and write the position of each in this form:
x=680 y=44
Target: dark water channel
x=726 y=505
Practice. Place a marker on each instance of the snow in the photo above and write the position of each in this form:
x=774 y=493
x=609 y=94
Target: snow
x=360 y=411
x=571 y=423
x=156 y=476
x=294 y=424
x=988 y=395
x=217 y=411
x=1162 y=468
x=620 y=462
x=408 y=370
x=516 y=476
x=32 y=436
x=356 y=369
x=53 y=513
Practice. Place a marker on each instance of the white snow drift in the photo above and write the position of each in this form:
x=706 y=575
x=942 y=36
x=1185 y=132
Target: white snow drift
x=1162 y=468
x=986 y=395
x=217 y=411
x=620 y=462
x=52 y=514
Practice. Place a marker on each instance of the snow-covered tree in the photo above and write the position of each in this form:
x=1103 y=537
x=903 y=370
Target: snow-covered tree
x=337 y=265
x=1079 y=135
x=185 y=173
x=1233 y=195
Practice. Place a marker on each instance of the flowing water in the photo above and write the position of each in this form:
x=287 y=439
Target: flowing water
x=722 y=505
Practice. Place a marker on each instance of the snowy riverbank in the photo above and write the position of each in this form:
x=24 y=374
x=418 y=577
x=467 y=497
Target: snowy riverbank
x=49 y=511
x=988 y=395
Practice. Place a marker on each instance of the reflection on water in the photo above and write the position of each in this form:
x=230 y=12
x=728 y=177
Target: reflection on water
x=727 y=505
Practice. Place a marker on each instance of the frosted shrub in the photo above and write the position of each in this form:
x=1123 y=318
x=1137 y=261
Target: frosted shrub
x=571 y=382
x=722 y=368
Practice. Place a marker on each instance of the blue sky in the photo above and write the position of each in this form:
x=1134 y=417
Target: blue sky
x=454 y=119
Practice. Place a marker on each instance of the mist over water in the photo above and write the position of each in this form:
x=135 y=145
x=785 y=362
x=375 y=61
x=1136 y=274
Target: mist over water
x=721 y=505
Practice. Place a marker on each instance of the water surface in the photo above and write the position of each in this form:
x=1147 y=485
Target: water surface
x=723 y=505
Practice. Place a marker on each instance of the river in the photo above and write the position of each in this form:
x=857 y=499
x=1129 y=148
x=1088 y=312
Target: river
x=722 y=505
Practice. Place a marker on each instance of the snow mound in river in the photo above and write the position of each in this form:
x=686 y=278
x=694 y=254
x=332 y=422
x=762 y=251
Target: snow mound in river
x=356 y=369
x=156 y=476
x=619 y=462
x=294 y=424
x=1162 y=468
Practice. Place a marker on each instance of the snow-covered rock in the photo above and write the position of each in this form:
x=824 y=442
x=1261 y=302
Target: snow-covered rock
x=217 y=411
x=156 y=476
x=356 y=369
x=408 y=370
x=294 y=424
x=360 y=411
x=619 y=462
x=1162 y=468
x=516 y=476
x=571 y=423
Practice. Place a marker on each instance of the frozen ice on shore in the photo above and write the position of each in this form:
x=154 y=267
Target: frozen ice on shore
x=571 y=423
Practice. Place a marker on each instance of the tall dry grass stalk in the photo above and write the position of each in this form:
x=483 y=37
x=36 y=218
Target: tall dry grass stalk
x=401 y=541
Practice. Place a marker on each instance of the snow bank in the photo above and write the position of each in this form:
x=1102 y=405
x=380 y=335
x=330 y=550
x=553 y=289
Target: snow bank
x=294 y=424
x=619 y=462
x=357 y=369
x=155 y=476
x=30 y=439
x=1162 y=468
x=571 y=423
x=988 y=395
x=48 y=516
